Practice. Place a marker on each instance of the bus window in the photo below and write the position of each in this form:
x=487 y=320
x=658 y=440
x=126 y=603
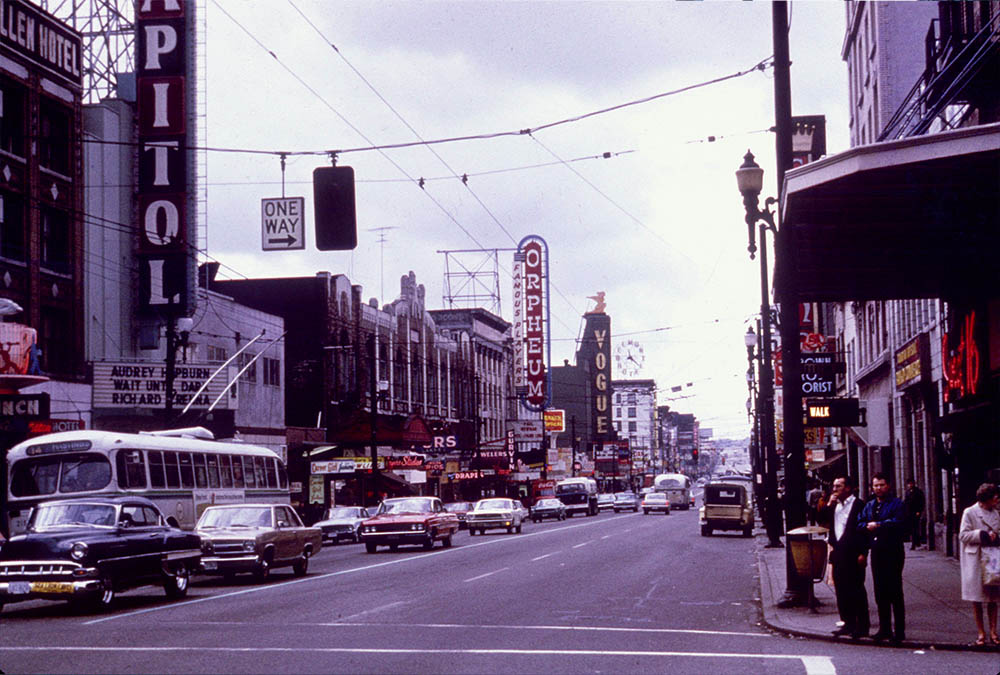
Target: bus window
x=225 y=471
x=282 y=476
x=200 y=475
x=238 y=471
x=34 y=477
x=131 y=472
x=187 y=471
x=258 y=470
x=272 y=477
x=213 y=469
x=248 y=472
x=170 y=467
x=156 y=478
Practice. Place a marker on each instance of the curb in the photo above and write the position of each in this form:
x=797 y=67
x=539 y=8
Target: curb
x=769 y=616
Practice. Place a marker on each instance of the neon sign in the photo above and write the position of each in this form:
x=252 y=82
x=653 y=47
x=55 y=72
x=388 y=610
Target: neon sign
x=962 y=362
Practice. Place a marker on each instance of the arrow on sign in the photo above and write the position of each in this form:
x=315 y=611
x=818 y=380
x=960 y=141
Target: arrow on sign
x=287 y=241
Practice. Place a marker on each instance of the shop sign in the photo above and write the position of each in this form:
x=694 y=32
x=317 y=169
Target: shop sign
x=526 y=431
x=963 y=358
x=24 y=406
x=535 y=302
x=333 y=466
x=555 y=421
x=142 y=384
x=54 y=426
x=42 y=39
x=464 y=475
x=911 y=362
x=405 y=463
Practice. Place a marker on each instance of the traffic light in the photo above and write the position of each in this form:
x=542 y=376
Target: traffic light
x=694 y=454
x=333 y=204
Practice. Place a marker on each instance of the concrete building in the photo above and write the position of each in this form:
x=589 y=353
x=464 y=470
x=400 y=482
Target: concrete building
x=634 y=418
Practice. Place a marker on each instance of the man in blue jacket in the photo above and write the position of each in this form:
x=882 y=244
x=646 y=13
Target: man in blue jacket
x=884 y=521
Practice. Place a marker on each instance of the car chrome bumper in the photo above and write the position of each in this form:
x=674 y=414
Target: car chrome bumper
x=493 y=522
x=17 y=591
x=223 y=565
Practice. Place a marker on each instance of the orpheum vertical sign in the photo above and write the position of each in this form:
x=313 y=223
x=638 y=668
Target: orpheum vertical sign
x=164 y=90
x=534 y=252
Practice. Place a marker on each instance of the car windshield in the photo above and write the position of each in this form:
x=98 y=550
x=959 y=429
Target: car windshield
x=240 y=516
x=458 y=506
x=48 y=516
x=671 y=483
x=548 y=503
x=392 y=506
x=487 y=504
x=343 y=512
x=624 y=495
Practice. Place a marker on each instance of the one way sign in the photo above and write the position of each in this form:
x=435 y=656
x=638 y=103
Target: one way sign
x=282 y=223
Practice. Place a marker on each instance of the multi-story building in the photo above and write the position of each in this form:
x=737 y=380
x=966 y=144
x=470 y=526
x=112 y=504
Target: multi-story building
x=634 y=419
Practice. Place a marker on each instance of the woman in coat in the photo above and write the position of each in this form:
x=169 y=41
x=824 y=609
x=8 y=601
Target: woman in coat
x=980 y=527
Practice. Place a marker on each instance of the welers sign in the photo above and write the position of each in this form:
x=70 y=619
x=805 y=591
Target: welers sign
x=166 y=265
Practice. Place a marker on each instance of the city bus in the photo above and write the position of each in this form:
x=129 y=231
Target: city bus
x=677 y=486
x=182 y=471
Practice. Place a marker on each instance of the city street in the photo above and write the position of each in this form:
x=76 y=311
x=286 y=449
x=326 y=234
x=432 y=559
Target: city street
x=613 y=593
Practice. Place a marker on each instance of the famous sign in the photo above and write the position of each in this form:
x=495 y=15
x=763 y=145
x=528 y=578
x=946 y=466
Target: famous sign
x=531 y=317
x=143 y=384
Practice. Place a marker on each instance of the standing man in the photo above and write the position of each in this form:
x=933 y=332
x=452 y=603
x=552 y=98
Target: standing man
x=884 y=521
x=915 y=504
x=849 y=557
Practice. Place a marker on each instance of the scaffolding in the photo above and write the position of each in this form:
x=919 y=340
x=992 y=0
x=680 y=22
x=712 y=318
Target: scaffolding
x=472 y=278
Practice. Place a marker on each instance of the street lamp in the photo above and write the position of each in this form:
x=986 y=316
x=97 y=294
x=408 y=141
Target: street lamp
x=750 y=180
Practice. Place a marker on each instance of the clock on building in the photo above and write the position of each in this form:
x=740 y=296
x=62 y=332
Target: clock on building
x=629 y=358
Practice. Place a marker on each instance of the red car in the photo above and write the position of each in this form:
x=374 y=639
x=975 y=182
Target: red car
x=409 y=520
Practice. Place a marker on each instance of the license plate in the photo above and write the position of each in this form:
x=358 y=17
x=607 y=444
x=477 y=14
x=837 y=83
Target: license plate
x=209 y=566
x=19 y=588
x=51 y=587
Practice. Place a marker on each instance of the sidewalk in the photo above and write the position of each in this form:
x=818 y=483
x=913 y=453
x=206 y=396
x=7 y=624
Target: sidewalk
x=936 y=616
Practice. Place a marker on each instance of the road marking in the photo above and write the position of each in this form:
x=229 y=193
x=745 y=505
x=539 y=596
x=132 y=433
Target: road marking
x=542 y=557
x=607 y=536
x=375 y=610
x=488 y=574
x=363 y=568
x=814 y=665
x=581 y=545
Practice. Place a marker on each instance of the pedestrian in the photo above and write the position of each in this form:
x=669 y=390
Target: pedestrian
x=813 y=497
x=849 y=557
x=915 y=504
x=884 y=521
x=980 y=527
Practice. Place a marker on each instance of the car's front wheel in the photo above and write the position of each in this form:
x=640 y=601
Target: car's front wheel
x=176 y=585
x=371 y=546
x=301 y=566
x=262 y=570
x=105 y=597
x=519 y=527
x=446 y=542
x=706 y=531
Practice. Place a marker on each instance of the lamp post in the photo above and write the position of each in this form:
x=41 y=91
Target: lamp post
x=378 y=390
x=750 y=180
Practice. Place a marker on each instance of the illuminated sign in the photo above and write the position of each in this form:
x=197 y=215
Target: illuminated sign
x=25 y=406
x=163 y=95
x=963 y=360
x=555 y=421
x=142 y=384
x=520 y=383
x=535 y=302
x=833 y=412
x=911 y=362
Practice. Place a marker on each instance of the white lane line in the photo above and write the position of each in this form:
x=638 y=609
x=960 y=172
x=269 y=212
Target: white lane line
x=542 y=557
x=320 y=577
x=607 y=536
x=581 y=545
x=814 y=665
x=488 y=574
x=374 y=610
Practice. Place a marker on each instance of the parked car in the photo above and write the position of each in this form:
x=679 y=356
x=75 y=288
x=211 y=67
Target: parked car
x=342 y=523
x=89 y=549
x=726 y=506
x=409 y=520
x=605 y=501
x=496 y=512
x=255 y=538
x=626 y=501
x=549 y=507
x=460 y=509
x=656 y=501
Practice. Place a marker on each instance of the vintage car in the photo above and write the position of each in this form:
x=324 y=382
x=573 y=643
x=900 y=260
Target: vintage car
x=409 y=520
x=497 y=512
x=605 y=501
x=626 y=501
x=342 y=522
x=460 y=509
x=255 y=538
x=549 y=507
x=86 y=550
x=656 y=501
x=726 y=506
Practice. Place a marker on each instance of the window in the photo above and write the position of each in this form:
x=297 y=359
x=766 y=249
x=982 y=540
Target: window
x=248 y=472
x=282 y=476
x=631 y=426
x=213 y=470
x=272 y=372
x=251 y=373
x=258 y=470
x=170 y=469
x=200 y=471
x=225 y=471
x=55 y=240
x=12 y=227
x=131 y=470
x=631 y=398
x=272 y=475
x=631 y=412
x=156 y=477
x=238 y=472
x=11 y=118
x=56 y=329
x=55 y=137
x=187 y=469
x=216 y=354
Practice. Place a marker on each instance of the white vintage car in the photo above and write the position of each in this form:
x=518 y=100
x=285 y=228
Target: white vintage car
x=495 y=513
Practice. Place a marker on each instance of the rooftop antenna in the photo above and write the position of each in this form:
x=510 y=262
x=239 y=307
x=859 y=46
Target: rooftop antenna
x=381 y=258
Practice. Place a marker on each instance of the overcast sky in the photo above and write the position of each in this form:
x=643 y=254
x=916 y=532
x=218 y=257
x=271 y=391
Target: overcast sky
x=658 y=226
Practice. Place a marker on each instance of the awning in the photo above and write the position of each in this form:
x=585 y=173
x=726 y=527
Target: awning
x=913 y=218
x=814 y=466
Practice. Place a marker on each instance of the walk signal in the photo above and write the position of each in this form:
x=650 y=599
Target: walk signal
x=333 y=204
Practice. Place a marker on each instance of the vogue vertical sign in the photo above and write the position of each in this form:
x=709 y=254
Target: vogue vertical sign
x=163 y=51
x=533 y=251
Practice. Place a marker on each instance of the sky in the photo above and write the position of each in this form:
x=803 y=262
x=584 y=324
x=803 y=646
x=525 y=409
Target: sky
x=657 y=225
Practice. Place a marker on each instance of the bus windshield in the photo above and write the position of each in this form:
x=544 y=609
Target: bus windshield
x=69 y=473
x=570 y=488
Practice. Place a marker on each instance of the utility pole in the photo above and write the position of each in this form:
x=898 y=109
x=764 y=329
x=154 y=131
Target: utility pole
x=373 y=393
x=572 y=433
x=171 y=373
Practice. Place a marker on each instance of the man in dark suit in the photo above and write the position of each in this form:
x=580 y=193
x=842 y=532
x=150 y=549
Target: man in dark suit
x=884 y=520
x=849 y=557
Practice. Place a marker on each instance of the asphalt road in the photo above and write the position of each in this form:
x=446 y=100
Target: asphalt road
x=618 y=593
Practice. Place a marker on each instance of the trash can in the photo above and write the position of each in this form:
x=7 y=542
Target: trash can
x=807 y=549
